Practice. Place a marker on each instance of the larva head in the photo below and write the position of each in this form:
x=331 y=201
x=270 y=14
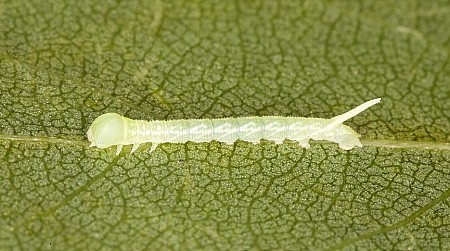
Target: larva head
x=107 y=130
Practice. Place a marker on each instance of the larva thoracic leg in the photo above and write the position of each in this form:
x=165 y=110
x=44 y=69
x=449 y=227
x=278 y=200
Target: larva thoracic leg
x=112 y=129
x=135 y=147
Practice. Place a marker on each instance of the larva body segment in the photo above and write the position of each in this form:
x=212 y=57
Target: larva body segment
x=113 y=129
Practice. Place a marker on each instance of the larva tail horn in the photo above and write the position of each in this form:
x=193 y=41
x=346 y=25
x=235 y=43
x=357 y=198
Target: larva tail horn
x=355 y=111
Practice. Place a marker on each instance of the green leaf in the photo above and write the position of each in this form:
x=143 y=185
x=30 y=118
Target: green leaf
x=63 y=63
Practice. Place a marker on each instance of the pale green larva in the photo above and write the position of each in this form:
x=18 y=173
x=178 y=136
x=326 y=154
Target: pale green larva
x=112 y=129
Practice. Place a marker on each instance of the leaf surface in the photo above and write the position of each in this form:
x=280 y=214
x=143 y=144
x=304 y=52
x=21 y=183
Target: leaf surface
x=65 y=63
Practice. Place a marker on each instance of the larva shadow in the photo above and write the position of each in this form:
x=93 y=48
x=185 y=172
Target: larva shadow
x=113 y=129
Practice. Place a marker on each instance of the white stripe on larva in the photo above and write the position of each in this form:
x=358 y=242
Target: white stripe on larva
x=112 y=129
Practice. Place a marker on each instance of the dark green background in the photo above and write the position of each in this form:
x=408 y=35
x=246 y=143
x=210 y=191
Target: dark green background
x=63 y=63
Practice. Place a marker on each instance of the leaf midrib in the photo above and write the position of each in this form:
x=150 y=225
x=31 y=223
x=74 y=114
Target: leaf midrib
x=385 y=143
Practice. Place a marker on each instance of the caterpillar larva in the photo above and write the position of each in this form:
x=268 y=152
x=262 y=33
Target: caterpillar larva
x=112 y=129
